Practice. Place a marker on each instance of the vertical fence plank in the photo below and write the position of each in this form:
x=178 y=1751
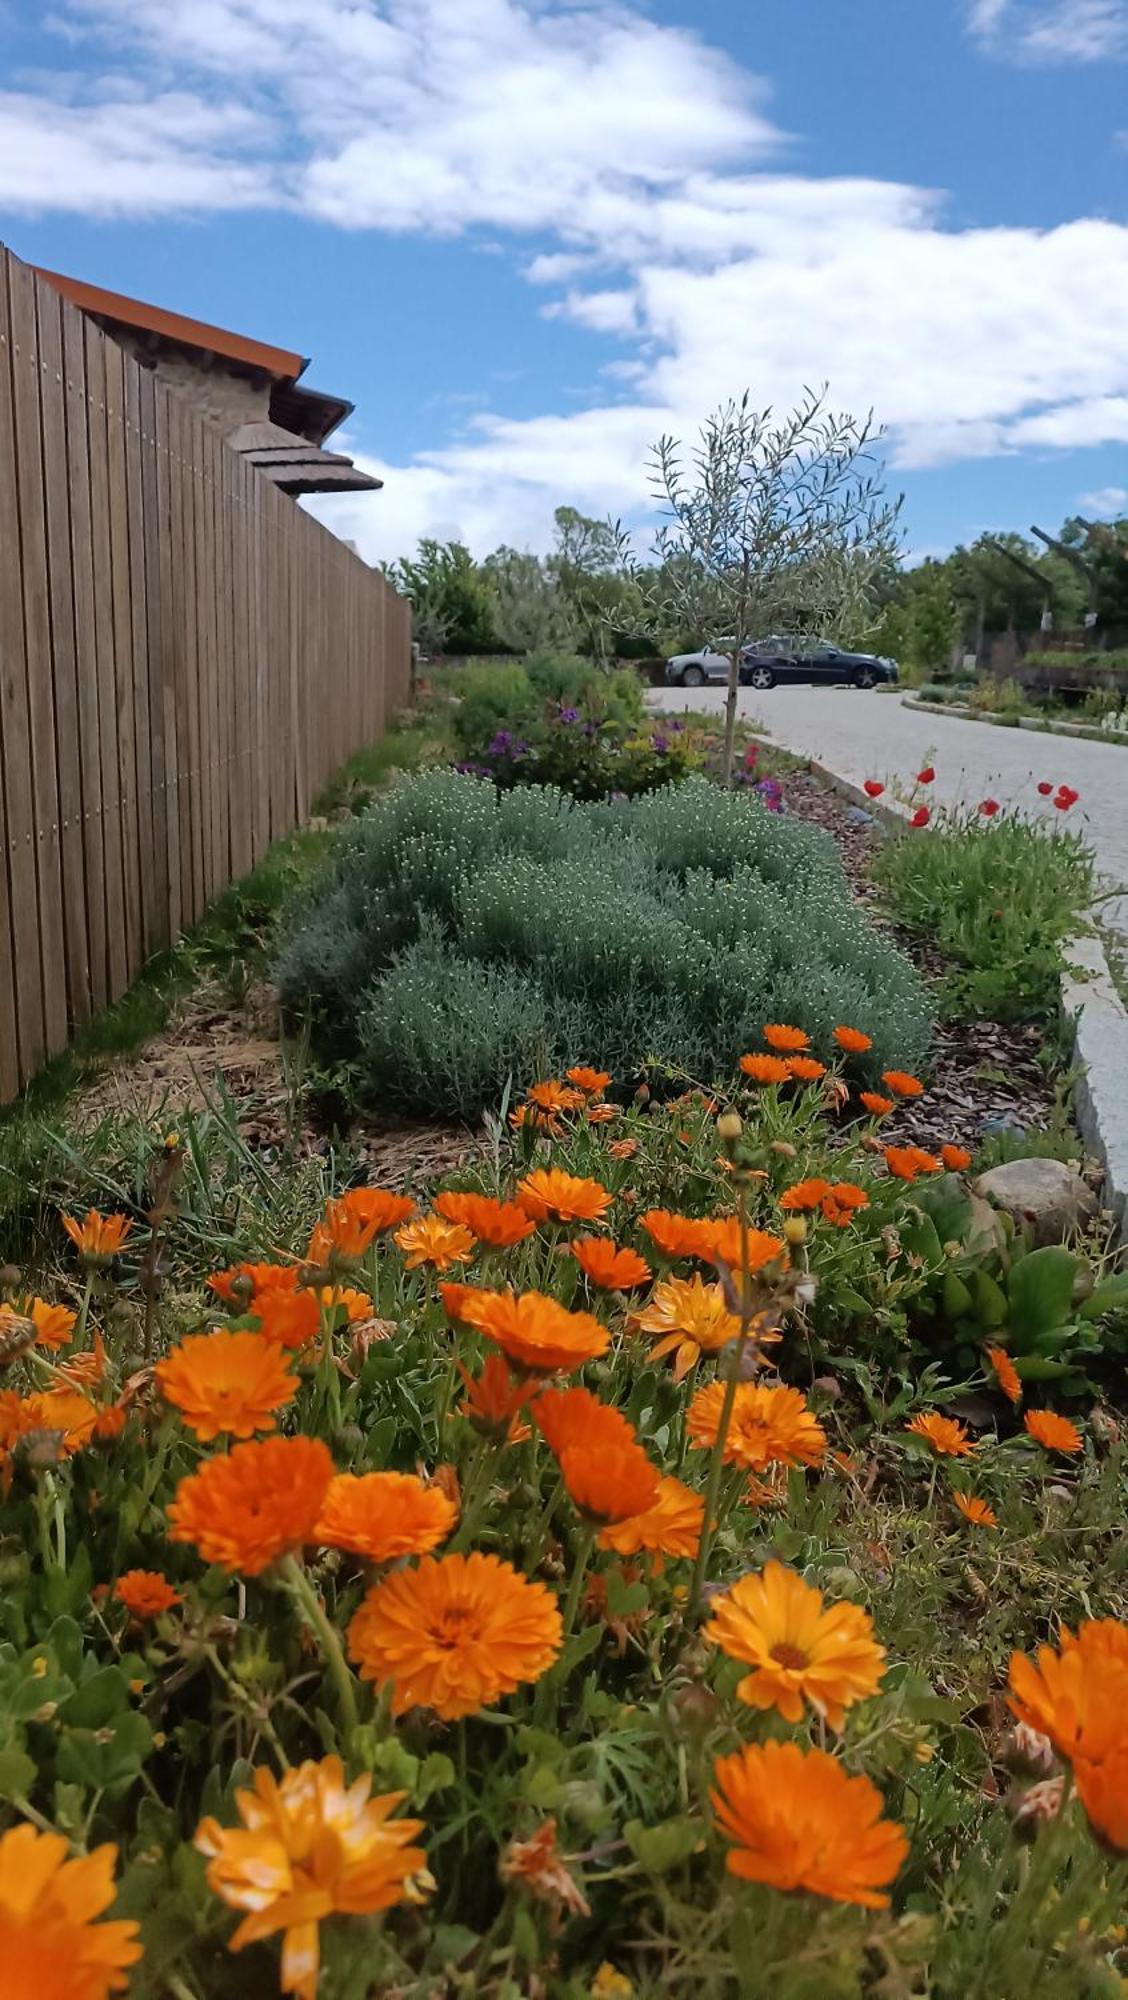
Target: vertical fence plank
x=102 y=579
x=125 y=694
x=85 y=651
x=144 y=760
x=159 y=925
x=25 y=1003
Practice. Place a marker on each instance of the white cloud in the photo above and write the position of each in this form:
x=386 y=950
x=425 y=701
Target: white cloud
x=129 y=155
x=1081 y=31
x=1106 y=503
x=603 y=312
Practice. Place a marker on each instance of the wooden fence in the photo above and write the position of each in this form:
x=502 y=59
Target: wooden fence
x=185 y=657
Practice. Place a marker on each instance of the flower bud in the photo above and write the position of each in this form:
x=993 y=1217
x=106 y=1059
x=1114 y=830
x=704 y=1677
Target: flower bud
x=795 y=1230
x=729 y=1127
x=1027 y=1752
x=1037 y=1807
x=784 y=1149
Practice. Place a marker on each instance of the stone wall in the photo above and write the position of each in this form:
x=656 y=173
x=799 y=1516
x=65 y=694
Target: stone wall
x=217 y=393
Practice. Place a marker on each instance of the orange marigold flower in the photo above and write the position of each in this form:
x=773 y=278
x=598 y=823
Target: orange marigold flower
x=878 y=1106
x=797 y=1821
x=770 y=1426
x=673 y=1235
x=1052 y=1432
x=494 y=1401
x=778 y=1036
x=601 y=1114
x=955 y=1158
x=614 y=1270
x=902 y=1083
x=691 y=1318
x=799 y=1648
x=72 y=1415
x=805 y=1069
x=944 y=1434
x=593 y=1082
x=246 y=1508
x=804 y=1194
x=553 y=1097
x=721 y=1241
x=1005 y=1372
x=54 y=1325
x=622 y=1149
x=907 y=1163
x=1103 y=1791
x=110 y=1423
x=86 y=1370
x=310 y=1845
x=501 y=1224
x=609 y=1482
x=292 y=1318
x=853 y=1041
x=97 y=1237
x=246 y=1281
x=548 y=1191
x=145 y=1593
x=670 y=1526
x=536 y=1332
x=226 y=1384
x=765 y=1069
x=431 y=1240
x=455 y=1633
x=538 y=1866
x=454 y=1299
x=976 y=1510
x=842 y=1201
x=50 y=1946
x=568 y=1417
x=384 y=1514
x=354 y=1220
x=1076 y=1696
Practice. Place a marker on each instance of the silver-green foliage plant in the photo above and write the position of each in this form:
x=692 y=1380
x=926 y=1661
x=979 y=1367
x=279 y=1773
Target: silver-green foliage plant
x=461 y=938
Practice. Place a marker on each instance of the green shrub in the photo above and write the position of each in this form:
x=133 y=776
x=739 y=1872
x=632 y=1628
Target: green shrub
x=999 y=899
x=462 y=937
x=492 y=698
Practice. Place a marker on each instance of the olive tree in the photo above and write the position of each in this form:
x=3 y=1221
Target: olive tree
x=774 y=524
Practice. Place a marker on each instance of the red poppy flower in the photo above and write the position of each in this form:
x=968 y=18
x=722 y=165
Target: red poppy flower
x=921 y=817
x=873 y=788
x=1045 y=788
x=988 y=807
x=926 y=776
x=1064 y=797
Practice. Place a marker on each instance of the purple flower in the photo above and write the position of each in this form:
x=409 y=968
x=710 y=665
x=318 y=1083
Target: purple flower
x=771 y=791
x=660 y=744
x=501 y=745
x=569 y=715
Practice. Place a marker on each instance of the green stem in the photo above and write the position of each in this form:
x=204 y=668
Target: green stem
x=579 y=1572
x=538 y=1546
x=475 y=1492
x=60 y=1528
x=308 y=1602
x=79 y=1341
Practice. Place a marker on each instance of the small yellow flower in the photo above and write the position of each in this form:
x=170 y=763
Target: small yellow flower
x=610 y=1984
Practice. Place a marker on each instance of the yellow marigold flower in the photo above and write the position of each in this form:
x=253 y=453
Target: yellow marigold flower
x=455 y=1633
x=226 y=1384
x=691 y=1319
x=310 y=1845
x=797 y=1821
x=51 y=1948
x=384 y=1514
x=800 y=1648
x=770 y=1426
x=431 y=1240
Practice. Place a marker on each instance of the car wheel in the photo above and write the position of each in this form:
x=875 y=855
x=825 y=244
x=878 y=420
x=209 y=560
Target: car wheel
x=761 y=677
x=865 y=678
x=692 y=677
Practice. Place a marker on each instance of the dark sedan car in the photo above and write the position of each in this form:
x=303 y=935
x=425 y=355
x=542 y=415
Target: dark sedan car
x=776 y=659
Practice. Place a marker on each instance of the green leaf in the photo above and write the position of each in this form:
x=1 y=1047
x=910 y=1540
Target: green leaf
x=1105 y=1298
x=97 y=1701
x=989 y=1300
x=436 y=1774
x=578 y=1648
x=658 y=1848
x=1041 y=1294
x=956 y=1297
x=948 y=1204
x=450 y=1944
x=17 y=1773
x=624 y=1598
x=1039 y=1368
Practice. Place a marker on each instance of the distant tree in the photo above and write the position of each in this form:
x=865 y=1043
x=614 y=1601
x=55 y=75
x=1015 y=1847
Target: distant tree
x=777 y=525
x=451 y=599
x=1104 y=544
x=593 y=572
x=528 y=611
x=932 y=617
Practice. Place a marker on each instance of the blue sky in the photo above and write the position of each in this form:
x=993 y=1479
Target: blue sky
x=528 y=236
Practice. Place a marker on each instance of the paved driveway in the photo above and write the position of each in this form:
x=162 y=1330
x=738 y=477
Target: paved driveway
x=863 y=735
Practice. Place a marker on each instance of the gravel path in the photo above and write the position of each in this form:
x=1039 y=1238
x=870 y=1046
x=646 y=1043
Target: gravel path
x=875 y=736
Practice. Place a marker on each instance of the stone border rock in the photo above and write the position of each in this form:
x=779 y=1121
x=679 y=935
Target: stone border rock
x=962 y=713
x=1097 y=1016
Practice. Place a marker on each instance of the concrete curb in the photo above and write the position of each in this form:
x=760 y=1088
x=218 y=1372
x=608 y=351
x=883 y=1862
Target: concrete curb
x=961 y=714
x=1096 y=1015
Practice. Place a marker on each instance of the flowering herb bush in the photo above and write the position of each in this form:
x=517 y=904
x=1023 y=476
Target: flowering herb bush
x=460 y=938
x=486 y=1599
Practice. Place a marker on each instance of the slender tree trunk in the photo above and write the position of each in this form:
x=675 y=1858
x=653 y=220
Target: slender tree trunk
x=730 y=716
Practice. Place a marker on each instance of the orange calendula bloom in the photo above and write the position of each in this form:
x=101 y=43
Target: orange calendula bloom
x=454 y=1297
x=455 y=1633
x=244 y=1282
x=670 y=1526
x=254 y=1504
x=976 y=1510
x=1077 y=1696
x=494 y=1400
x=501 y=1224
x=902 y=1083
x=779 y=1036
x=384 y=1514
x=97 y=1236
x=878 y=1106
x=765 y=1069
x=1103 y=1791
x=907 y=1163
x=691 y=1319
x=1005 y=1373
x=955 y=1158
x=553 y=1097
x=86 y=1370
x=353 y=1221
x=800 y=1648
x=797 y=1821
x=548 y=1191
x=600 y=1113
x=607 y=1266
x=65 y=1411
x=54 y=1325
x=534 y=1331
x=537 y=1865
x=1052 y=1432
x=842 y=1202
x=805 y=1069
x=226 y=1384
x=722 y=1241
x=110 y=1423
x=570 y=1417
x=593 y=1082
x=673 y=1235
x=852 y=1041
x=292 y=1318
x=805 y=1194
x=310 y=1845
x=609 y=1482
x=431 y=1240
x=770 y=1426
x=145 y=1593
x=947 y=1437
x=51 y=1948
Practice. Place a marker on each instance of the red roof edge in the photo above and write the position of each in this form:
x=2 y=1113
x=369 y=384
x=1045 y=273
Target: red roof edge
x=277 y=361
